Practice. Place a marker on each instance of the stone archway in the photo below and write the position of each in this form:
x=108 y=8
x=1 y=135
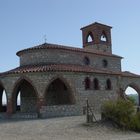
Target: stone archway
x=3 y=99
x=136 y=89
x=58 y=93
x=28 y=97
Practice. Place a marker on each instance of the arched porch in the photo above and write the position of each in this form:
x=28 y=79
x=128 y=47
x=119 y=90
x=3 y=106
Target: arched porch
x=3 y=99
x=58 y=92
x=24 y=97
x=132 y=87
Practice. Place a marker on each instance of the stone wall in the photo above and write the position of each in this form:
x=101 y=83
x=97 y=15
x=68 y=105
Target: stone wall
x=60 y=110
x=40 y=82
x=28 y=105
x=55 y=56
x=133 y=82
x=76 y=81
x=100 y=47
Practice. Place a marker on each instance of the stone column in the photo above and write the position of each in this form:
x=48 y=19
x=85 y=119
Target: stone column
x=9 y=107
x=41 y=102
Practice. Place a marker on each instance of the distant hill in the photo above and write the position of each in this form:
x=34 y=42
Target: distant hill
x=135 y=97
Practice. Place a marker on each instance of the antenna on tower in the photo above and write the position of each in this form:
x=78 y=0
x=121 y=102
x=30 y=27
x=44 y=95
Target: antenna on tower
x=45 y=39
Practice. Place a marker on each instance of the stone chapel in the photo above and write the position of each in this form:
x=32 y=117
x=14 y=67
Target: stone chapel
x=55 y=80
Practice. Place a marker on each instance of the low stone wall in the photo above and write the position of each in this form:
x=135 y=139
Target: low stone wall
x=61 y=110
x=24 y=116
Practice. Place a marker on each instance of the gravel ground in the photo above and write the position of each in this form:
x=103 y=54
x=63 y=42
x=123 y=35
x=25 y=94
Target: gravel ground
x=67 y=128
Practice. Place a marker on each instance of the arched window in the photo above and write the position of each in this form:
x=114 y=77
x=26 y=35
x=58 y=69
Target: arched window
x=87 y=83
x=103 y=37
x=86 y=61
x=89 y=38
x=105 y=63
x=95 y=84
x=108 y=84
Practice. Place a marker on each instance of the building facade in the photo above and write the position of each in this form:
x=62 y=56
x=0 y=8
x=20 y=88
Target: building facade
x=55 y=80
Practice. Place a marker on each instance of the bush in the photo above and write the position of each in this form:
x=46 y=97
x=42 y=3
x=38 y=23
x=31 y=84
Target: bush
x=121 y=112
x=132 y=99
x=135 y=122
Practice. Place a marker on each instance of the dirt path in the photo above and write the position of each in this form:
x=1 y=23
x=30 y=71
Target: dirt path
x=68 y=128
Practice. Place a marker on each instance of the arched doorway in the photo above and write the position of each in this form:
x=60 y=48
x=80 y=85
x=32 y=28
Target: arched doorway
x=24 y=97
x=133 y=93
x=58 y=93
x=3 y=100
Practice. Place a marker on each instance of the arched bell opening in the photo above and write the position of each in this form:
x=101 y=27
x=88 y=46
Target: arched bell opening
x=103 y=37
x=89 y=38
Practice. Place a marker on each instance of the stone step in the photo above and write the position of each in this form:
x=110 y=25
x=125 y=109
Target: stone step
x=59 y=110
x=3 y=115
x=25 y=116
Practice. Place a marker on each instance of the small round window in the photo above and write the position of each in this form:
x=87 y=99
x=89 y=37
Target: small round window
x=105 y=63
x=86 y=61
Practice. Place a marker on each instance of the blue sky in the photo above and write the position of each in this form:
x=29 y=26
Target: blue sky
x=23 y=23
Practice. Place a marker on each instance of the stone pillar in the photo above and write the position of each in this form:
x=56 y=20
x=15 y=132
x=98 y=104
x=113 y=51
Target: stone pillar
x=41 y=102
x=9 y=107
x=139 y=99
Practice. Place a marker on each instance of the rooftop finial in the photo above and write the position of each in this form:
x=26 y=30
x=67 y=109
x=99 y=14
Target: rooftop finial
x=45 y=38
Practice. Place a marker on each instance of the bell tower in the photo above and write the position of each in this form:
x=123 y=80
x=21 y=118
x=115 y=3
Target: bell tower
x=97 y=37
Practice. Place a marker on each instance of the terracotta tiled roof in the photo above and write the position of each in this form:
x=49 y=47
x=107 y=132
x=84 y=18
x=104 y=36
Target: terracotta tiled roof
x=95 y=23
x=64 y=68
x=127 y=73
x=68 y=48
x=52 y=67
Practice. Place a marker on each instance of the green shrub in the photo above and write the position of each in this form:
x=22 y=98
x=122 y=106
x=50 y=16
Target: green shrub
x=135 y=122
x=120 y=112
x=108 y=112
x=132 y=99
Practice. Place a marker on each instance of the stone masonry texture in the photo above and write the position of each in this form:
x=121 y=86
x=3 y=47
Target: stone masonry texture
x=65 y=87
